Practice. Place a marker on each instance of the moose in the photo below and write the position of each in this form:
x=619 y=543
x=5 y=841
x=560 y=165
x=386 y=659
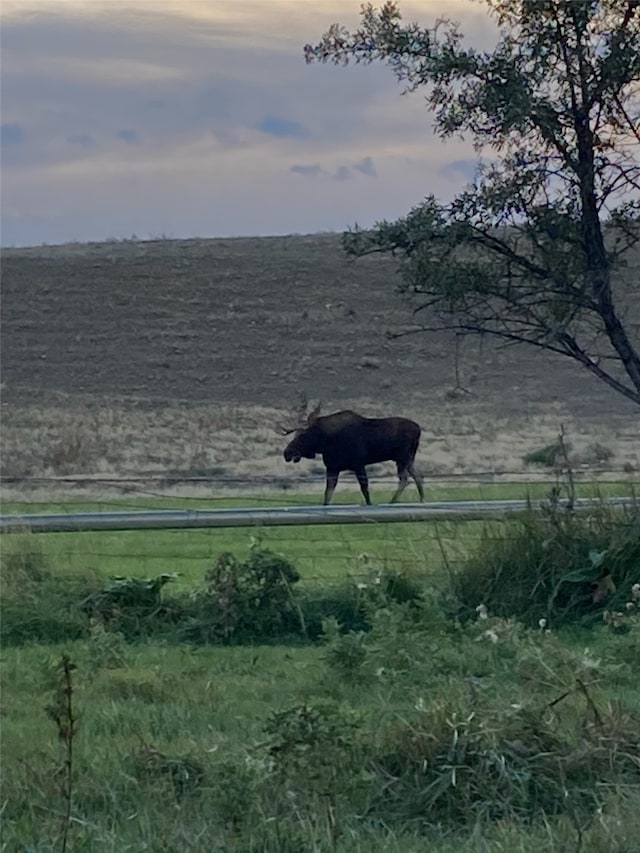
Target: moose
x=349 y=442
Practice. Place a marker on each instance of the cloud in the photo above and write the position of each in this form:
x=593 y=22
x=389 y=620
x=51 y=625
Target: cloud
x=11 y=134
x=282 y=128
x=366 y=167
x=309 y=170
x=128 y=136
x=216 y=92
x=82 y=140
x=214 y=102
x=342 y=173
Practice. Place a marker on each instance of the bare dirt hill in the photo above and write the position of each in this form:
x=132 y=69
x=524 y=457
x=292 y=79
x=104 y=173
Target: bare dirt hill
x=181 y=354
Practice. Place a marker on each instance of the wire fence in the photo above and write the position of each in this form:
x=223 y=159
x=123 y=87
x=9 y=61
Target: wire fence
x=324 y=554
x=423 y=538
x=296 y=481
x=285 y=516
x=148 y=490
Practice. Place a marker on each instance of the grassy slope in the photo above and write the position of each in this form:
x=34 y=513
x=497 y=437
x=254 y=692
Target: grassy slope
x=181 y=356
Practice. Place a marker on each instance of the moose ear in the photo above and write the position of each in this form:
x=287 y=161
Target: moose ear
x=313 y=414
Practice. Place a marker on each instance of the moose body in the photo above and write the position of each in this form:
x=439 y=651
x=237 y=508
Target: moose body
x=349 y=442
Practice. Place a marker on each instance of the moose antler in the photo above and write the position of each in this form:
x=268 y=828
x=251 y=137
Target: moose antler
x=299 y=419
x=313 y=414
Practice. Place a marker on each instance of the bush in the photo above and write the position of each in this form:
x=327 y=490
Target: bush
x=40 y=606
x=554 y=565
x=50 y=616
x=24 y=564
x=244 y=600
x=546 y=456
x=313 y=606
x=132 y=606
x=315 y=749
x=503 y=723
x=184 y=774
x=240 y=601
x=353 y=605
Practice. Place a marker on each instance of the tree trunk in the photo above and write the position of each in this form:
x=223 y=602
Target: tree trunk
x=598 y=271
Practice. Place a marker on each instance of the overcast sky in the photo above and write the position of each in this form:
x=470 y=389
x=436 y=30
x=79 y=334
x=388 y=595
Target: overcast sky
x=200 y=118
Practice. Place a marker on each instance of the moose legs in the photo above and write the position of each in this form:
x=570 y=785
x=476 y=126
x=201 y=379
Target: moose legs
x=332 y=482
x=418 y=480
x=361 y=474
x=404 y=470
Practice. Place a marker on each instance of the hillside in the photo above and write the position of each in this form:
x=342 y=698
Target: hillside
x=188 y=351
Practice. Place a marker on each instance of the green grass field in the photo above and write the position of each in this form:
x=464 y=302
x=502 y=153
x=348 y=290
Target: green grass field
x=199 y=715
x=426 y=735
x=322 y=553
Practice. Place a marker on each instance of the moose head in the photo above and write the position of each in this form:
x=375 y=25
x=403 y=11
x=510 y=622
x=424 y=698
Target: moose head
x=301 y=423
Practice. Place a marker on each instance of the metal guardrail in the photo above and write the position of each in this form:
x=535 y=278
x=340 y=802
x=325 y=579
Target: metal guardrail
x=173 y=519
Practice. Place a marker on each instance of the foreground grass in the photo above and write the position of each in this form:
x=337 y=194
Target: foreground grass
x=177 y=747
x=421 y=732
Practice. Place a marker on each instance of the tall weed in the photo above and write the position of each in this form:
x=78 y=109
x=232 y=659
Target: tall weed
x=557 y=566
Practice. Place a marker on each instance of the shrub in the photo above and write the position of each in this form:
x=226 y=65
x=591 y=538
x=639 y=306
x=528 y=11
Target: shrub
x=554 y=565
x=41 y=606
x=396 y=639
x=24 y=564
x=184 y=774
x=342 y=603
x=353 y=604
x=105 y=649
x=345 y=653
x=244 y=600
x=546 y=456
x=240 y=601
x=315 y=749
x=131 y=605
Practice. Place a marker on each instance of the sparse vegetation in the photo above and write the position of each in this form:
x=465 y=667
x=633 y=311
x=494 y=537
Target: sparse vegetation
x=599 y=453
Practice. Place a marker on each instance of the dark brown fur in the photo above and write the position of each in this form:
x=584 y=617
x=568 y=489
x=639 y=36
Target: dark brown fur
x=348 y=442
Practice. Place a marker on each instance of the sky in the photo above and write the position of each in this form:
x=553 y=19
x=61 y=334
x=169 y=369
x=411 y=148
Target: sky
x=200 y=118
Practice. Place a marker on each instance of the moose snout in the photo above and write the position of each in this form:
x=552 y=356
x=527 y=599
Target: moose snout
x=290 y=456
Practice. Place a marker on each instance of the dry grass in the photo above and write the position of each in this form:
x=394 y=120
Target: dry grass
x=180 y=356
x=240 y=442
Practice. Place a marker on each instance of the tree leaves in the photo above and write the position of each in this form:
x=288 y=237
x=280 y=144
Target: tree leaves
x=521 y=252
